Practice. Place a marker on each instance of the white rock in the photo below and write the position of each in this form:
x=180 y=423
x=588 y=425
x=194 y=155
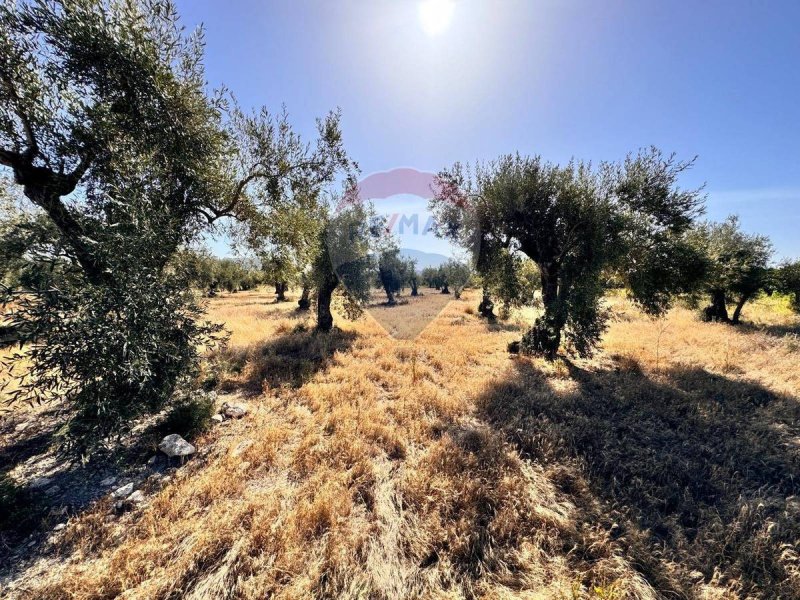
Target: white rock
x=218 y=418
x=175 y=445
x=108 y=481
x=124 y=491
x=233 y=411
x=152 y=460
x=59 y=527
x=137 y=497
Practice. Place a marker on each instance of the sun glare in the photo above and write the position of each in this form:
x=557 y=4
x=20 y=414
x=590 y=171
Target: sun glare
x=435 y=15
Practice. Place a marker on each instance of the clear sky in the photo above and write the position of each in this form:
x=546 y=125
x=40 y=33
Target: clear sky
x=590 y=79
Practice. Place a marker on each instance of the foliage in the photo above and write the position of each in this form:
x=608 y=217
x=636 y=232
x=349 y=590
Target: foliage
x=575 y=222
x=105 y=125
x=510 y=277
x=210 y=274
x=110 y=354
x=788 y=277
x=455 y=274
x=191 y=415
x=431 y=277
x=392 y=271
x=344 y=261
x=738 y=266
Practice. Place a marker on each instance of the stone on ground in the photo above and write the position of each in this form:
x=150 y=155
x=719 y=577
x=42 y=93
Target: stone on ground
x=175 y=445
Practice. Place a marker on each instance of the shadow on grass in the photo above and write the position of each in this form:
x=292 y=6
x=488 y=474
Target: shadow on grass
x=286 y=361
x=49 y=487
x=779 y=330
x=701 y=471
x=500 y=325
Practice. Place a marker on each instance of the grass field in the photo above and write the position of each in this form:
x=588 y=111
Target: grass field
x=440 y=466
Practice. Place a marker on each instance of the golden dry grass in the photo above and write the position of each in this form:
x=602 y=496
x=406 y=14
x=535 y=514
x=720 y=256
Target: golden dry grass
x=411 y=315
x=442 y=467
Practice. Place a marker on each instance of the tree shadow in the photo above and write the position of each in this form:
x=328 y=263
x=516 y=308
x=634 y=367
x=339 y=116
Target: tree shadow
x=776 y=330
x=700 y=470
x=505 y=326
x=51 y=487
x=286 y=361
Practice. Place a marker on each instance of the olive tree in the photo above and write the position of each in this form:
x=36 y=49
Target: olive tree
x=287 y=196
x=738 y=266
x=392 y=271
x=344 y=261
x=411 y=276
x=788 y=278
x=431 y=277
x=455 y=274
x=575 y=222
x=506 y=275
x=106 y=127
x=280 y=268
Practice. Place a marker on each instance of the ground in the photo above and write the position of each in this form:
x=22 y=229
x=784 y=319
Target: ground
x=442 y=467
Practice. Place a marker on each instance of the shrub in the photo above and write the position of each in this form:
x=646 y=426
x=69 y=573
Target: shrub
x=191 y=416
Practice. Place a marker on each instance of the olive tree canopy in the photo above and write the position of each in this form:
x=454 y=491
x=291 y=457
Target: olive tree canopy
x=576 y=222
x=737 y=266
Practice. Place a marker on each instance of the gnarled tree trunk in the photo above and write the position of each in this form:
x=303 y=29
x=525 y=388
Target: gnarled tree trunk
x=324 y=315
x=737 y=313
x=486 y=307
x=718 y=309
x=280 y=291
x=304 y=303
x=544 y=338
x=325 y=290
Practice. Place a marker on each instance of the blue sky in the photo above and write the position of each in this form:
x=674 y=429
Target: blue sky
x=593 y=80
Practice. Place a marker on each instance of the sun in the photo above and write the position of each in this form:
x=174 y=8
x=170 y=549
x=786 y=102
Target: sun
x=435 y=15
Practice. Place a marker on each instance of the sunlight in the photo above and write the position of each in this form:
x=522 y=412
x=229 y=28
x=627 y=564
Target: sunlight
x=435 y=15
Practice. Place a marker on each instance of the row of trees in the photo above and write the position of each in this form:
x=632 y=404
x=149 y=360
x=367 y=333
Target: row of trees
x=395 y=273
x=212 y=274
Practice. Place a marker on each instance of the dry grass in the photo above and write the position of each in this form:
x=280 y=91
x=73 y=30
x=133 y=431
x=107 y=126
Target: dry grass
x=411 y=315
x=440 y=467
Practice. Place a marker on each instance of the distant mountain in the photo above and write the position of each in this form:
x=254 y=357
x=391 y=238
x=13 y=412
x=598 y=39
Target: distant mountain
x=424 y=259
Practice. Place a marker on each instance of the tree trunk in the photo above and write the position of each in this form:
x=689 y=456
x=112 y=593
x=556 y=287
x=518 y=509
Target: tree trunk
x=737 y=313
x=389 y=297
x=718 y=309
x=486 y=307
x=304 y=303
x=445 y=289
x=324 y=296
x=544 y=338
x=280 y=291
x=413 y=283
